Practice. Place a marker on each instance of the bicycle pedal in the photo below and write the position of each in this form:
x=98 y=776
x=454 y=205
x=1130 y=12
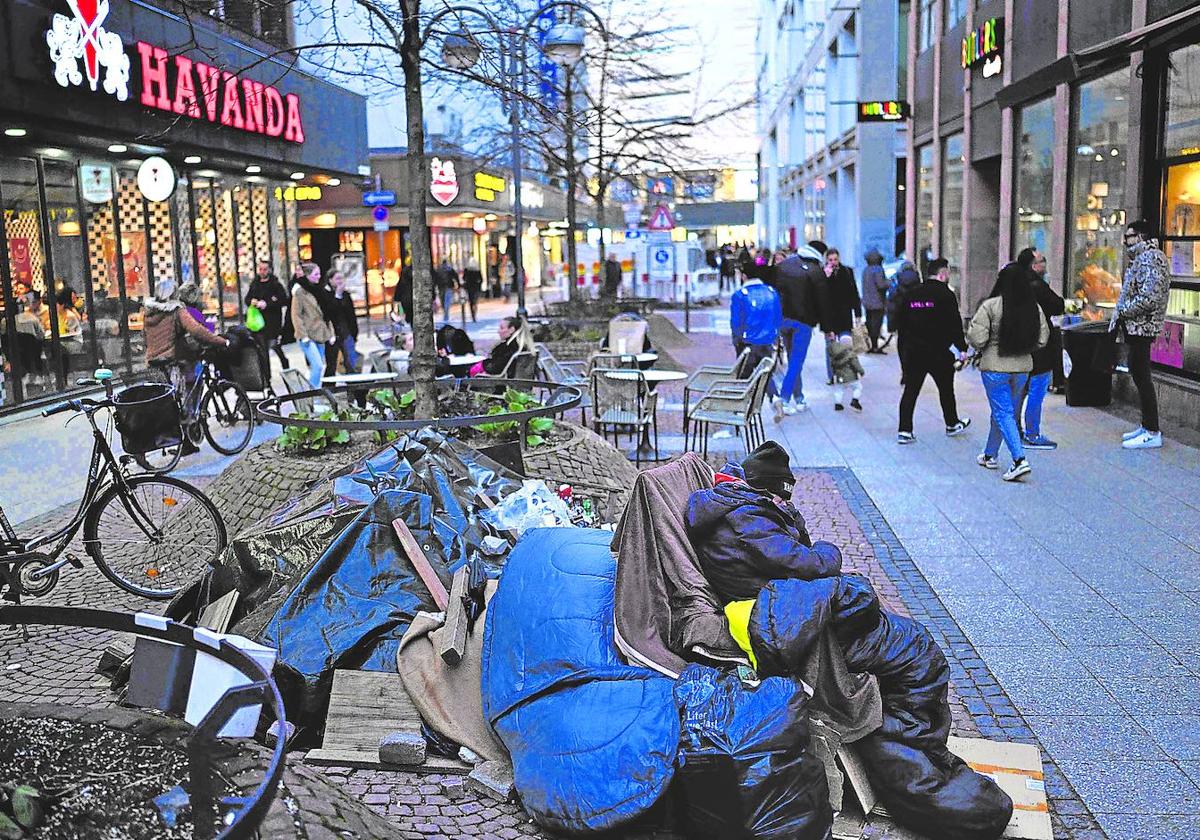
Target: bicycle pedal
x=74 y=560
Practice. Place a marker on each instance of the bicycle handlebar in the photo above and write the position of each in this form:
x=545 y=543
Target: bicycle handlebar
x=69 y=405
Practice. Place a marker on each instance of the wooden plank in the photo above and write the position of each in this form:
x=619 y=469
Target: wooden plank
x=218 y=615
x=421 y=563
x=368 y=761
x=450 y=640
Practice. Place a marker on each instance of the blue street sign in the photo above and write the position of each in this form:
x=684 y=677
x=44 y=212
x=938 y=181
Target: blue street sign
x=379 y=198
x=380 y=214
x=547 y=69
x=634 y=233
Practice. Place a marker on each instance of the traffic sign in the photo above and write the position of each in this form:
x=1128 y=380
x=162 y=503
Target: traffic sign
x=661 y=219
x=380 y=214
x=379 y=198
x=634 y=233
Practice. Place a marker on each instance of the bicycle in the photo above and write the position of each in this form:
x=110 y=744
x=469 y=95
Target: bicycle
x=151 y=535
x=225 y=416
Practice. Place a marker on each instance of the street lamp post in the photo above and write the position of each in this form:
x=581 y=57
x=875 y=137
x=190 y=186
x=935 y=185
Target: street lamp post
x=563 y=44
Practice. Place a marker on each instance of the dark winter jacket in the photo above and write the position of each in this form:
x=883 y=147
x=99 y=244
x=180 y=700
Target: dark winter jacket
x=744 y=540
x=612 y=276
x=874 y=283
x=755 y=314
x=276 y=297
x=345 y=320
x=838 y=301
x=403 y=293
x=1048 y=357
x=928 y=321
x=445 y=277
x=907 y=279
x=793 y=279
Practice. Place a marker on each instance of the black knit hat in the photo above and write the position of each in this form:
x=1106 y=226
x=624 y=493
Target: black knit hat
x=769 y=468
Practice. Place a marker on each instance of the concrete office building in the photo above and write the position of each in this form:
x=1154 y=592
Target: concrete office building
x=1054 y=123
x=826 y=170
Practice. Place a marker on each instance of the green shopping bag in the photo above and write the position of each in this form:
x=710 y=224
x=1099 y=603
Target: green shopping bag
x=254 y=319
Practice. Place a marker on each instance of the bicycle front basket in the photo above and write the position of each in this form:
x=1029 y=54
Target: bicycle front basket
x=147 y=418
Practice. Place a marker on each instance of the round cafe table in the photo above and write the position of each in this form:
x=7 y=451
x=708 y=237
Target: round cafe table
x=644 y=450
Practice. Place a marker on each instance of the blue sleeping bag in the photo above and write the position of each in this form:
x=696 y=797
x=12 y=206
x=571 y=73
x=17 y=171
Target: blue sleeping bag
x=593 y=741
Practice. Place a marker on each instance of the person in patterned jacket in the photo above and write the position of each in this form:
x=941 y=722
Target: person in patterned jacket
x=1141 y=311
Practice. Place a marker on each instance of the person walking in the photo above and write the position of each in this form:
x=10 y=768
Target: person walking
x=345 y=327
x=472 y=281
x=1141 y=311
x=755 y=316
x=793 y=279
x=728 y=267
x=837 y=301
x=874 y=297
x=907 y=279
x=310 y=320
x=1007 y=328
x=1044 y=360
x=927 y=322
x=445 y=278
x=402 y=294
x=267 y=294
x=612 y=276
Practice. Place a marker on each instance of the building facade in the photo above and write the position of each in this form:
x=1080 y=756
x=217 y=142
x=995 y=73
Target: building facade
x=1052 y=124
x=144 y=143
x=831 y=129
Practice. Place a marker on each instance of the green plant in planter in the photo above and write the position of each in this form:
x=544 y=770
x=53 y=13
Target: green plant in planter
x=21 y=810
x=386 y=398
x=308 y=440
x=517 y=401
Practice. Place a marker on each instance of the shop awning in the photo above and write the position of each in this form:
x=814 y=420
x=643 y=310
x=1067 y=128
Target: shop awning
x=1074 y=65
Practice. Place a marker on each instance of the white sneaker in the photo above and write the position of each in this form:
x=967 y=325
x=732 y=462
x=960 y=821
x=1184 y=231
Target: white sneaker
x=1017 y=471
x=789 y=408
x=1140 y=430
x=801 y=406
x=1146 y=440
x=987 y=462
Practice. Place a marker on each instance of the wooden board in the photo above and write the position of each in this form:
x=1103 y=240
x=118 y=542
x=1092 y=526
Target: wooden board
x=1017 y=768
x=218 y=615
x=450 y=640
x=856 y=773
x=364 y=706
x=421 y=563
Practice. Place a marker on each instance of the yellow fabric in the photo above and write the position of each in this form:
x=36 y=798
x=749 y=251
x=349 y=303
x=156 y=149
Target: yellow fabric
x=738 y=613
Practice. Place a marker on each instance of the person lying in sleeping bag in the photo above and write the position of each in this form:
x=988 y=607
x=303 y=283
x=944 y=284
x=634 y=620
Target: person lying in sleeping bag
x=747 y=532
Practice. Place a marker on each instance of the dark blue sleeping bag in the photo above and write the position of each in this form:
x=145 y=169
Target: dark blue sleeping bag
x=593 y=741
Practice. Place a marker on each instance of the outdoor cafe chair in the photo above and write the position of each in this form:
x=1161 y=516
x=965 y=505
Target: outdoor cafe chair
x=736 y=403
x=703 y=378
x=624 y=405
x=378 y=360
x=566 y=373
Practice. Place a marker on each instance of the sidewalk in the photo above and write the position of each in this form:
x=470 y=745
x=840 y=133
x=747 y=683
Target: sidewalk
x=1078 y=588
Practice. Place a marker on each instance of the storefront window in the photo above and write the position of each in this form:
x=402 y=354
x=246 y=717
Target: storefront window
x=1035 y=173
x=28 y=341
x=108 y=300
x=1101 y=118
x=227 y=256
x=72 y=292
x=206 y=246
x=260 y=224
x=952 y=206
x=956 y=10
x=244 y=223
x=181 y=224
x=1181 y=135
x=924 y=222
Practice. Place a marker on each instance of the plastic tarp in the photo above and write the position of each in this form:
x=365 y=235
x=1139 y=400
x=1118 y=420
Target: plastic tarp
x=923 y=785
x=593 y=741
x=745 y=768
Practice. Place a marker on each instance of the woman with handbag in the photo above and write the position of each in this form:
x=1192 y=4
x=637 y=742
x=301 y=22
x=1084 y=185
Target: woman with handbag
x=1007 y=328
x=311 y=320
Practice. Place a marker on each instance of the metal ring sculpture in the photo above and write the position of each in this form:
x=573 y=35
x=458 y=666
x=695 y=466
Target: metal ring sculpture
x=566 y=397
x=261 y=689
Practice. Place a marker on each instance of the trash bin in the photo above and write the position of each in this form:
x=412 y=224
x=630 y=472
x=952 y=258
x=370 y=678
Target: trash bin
x=1088 y=363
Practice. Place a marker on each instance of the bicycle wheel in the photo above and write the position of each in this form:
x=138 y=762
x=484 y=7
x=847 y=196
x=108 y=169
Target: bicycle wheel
x=154 y=538
x=160 y=460
x=228 y=417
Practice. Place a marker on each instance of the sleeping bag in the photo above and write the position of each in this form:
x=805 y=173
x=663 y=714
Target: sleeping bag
x=593 y=741
x=923 y=785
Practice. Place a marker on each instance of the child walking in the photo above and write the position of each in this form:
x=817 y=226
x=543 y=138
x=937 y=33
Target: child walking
x=846 y=367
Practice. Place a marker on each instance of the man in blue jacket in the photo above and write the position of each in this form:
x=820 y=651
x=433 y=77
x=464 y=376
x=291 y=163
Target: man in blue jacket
x=755 y=316
x=747 y=532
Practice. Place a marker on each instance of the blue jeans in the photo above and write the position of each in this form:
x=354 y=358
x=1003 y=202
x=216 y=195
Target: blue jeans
x=1039 y=384
x=796 y=337
x=447 y=303
x=1004 y=396
x=314 y=353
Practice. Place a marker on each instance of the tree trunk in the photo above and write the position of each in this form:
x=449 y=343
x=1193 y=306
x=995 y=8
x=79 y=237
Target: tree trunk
x=423 y=361
x=572 y=265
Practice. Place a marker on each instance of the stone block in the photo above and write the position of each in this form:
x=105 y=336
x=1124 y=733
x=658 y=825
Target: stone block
x=454 y=788
x=493 y=780
x=402 y=748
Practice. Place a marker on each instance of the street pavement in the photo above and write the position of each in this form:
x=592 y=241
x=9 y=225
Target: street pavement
x=1079 y=587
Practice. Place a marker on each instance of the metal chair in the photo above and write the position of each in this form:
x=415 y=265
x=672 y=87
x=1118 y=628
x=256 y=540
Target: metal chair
x=378 y=360
x=566 y=373
x=523 y=365
x=624 y=405
x=704 y=377
x=737 y=403
x=294 y=382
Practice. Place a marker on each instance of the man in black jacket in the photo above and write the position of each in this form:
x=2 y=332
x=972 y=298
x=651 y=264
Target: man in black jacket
x=1045 y=359
x=794 y=279
x=929 y=325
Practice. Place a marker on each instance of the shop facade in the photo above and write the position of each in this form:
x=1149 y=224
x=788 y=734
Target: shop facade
x=470 y=217
x=1053 y=124
x=165 y=149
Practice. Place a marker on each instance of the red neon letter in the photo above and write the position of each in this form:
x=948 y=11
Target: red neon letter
x=254 y=105
x=185 y=90
x=231 y=110
x=154 y=75
x=274 y=115
x=210 y=84
x=294 y=130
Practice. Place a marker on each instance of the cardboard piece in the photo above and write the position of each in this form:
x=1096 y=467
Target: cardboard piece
x=211 y=678
x=218 y=615
x=1017 y=768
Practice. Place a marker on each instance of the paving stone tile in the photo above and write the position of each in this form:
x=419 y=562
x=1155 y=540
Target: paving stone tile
x=1178 y=735
x=1061 y=696
x=1101 y=737
x=1015 y=663
x=1163 y=604
x=999 y=620
x=1124 y=786
x=1121 y=661
x=1097 y=630
x=1150 y=826
x=1156 y=695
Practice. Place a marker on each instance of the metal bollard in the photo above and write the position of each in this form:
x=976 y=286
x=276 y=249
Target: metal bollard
x=687 y=311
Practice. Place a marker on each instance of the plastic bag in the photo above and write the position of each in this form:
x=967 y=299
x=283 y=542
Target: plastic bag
x=533 y=506
x=254 y=319
x=744 y=763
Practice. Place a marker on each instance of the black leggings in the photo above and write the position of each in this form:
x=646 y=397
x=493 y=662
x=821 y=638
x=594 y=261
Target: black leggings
x=1139 y=369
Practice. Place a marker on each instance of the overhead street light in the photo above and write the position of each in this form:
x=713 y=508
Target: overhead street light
x=460 y=51
x=564 y=44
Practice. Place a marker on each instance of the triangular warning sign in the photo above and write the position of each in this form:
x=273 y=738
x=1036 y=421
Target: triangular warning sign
x=661 y=219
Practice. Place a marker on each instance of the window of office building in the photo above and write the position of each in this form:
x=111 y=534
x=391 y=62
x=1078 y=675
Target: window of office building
x=956 y=10
x=1035 y=174
x=952 y=206
x=924 y=221
x=925 y=24
x=1100 y=115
